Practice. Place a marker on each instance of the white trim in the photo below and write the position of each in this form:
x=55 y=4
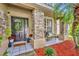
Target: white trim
x=53 y=42
x=42 y=4
x=58 y=26
x=46 y=17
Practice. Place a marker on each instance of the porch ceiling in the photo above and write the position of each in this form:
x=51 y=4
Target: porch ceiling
x=47 y=10
x=22 y=5
x=32 y=6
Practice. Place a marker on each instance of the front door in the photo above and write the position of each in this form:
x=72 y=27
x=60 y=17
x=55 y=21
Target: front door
x=19 y=25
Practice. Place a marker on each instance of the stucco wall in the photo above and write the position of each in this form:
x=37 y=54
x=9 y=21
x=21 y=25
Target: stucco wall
x=20 y=12
x=3 y=7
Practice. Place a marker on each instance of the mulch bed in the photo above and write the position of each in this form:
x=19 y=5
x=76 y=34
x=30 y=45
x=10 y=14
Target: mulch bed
x=66 y=48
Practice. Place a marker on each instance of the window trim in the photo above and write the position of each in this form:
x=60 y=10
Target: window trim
x=46 y=17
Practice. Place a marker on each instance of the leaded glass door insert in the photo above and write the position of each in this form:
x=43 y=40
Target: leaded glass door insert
x=19 y=25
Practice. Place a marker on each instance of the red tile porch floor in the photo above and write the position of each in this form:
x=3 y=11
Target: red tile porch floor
x=66 y=48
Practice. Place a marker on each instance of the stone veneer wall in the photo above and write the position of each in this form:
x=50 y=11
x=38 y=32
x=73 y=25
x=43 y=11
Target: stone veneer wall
x=39 y=40
x=3 y=23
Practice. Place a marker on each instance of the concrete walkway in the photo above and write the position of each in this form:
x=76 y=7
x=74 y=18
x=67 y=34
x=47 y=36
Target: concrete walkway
x=53 y=41
x=19 y=50
x=27 y=48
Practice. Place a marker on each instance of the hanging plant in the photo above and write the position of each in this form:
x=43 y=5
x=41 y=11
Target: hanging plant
x=1 y=37
x=8 y=29
x=70 y=31
x=77 y=32
x=8 y=32
x=0 y=26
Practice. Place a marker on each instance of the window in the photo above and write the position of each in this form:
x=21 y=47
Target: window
x=48 y=25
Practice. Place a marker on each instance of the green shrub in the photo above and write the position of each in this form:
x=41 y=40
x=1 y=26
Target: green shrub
x=8 y=32
x=1 y=39
x=49 y=51
x=5 y=53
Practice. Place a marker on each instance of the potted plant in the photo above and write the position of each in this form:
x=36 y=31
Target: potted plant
x=49 y=52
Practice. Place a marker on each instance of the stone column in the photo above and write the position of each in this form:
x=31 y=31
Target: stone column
x=4 y=41
x=2 y=25
x=39 y=40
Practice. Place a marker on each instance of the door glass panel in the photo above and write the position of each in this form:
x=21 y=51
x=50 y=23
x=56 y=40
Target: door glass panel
x=19 y=25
